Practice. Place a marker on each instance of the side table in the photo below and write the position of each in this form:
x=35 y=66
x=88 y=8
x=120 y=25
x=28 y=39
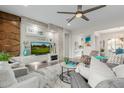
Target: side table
x=64 y=76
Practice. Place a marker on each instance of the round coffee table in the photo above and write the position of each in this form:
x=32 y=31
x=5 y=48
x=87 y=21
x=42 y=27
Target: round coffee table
x=64 y=76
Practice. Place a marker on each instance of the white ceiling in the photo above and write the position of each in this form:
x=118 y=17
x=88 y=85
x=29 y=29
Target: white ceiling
x=107 y=17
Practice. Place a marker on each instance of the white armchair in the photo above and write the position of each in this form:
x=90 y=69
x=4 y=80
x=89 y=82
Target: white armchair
x=32 y=82
x=8 y=79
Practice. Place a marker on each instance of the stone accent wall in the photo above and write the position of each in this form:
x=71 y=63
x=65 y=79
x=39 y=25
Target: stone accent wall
x=9 y=33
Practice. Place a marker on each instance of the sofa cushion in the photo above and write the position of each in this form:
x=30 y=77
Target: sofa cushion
x=111 y=65
x=85 y=59
x=112 y=83
x=7 y=77
x=83 y=70
x=99 y=72
x=116 y=59
x=21 y=71
x=32 y=82
x=119 y=71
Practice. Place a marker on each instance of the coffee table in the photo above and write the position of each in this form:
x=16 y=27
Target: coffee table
x=34 y=66
x=65 y=76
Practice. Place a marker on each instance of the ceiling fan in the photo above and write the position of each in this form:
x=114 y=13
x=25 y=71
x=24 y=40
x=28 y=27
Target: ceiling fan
x=80 y=14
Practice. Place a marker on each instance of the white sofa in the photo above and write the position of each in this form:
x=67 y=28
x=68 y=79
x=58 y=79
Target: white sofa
x=99 y=75
x=84 y=71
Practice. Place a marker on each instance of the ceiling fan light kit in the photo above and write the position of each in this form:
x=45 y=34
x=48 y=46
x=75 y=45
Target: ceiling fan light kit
x=80 y=14
x=68 y=24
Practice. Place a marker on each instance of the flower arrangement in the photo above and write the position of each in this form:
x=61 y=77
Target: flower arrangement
x=66 y=60
x=102 y=50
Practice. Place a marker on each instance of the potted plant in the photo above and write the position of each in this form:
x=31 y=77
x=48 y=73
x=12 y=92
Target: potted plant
x=66 y=60
x=4 y=57
x=102 y=50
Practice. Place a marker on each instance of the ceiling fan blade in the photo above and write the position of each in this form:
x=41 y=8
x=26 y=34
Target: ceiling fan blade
x=79 y=8
x=85 y=18
x=71 y=19
x=67 y=12
x=92 y=9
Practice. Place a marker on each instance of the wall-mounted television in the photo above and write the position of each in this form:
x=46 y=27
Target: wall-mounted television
x=40 y=48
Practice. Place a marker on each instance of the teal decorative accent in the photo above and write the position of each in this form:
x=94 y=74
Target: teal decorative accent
x=100 y=57
x=26 y=52
x=87 y=39
x=71 y=64
x=119 y=51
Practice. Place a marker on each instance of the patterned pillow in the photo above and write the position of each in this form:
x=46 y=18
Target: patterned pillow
x=94 y=53
x=116 y=59
x=85 y=59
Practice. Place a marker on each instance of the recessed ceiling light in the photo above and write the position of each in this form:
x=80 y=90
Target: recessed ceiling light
x=78 y=15
x=68 y=24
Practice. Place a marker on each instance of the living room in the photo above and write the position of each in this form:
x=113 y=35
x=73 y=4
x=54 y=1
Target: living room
x=41 y=47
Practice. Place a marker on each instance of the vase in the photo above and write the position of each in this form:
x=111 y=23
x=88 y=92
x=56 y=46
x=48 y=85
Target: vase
x=25 y=52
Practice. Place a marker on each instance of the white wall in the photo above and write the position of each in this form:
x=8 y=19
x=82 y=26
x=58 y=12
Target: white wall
x=75 y=49
x=67 y=47
x=96 y=37
x=77 y=38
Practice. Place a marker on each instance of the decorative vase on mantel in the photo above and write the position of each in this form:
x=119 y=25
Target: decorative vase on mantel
x=26 y=50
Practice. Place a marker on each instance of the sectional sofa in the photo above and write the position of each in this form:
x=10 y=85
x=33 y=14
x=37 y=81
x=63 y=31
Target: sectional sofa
x=100 y=75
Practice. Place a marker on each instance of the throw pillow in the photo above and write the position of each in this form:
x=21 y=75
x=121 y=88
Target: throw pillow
x=99 y=72
x=83 y=70
x=85 y=59
x=116 y=59
x=119 y=71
